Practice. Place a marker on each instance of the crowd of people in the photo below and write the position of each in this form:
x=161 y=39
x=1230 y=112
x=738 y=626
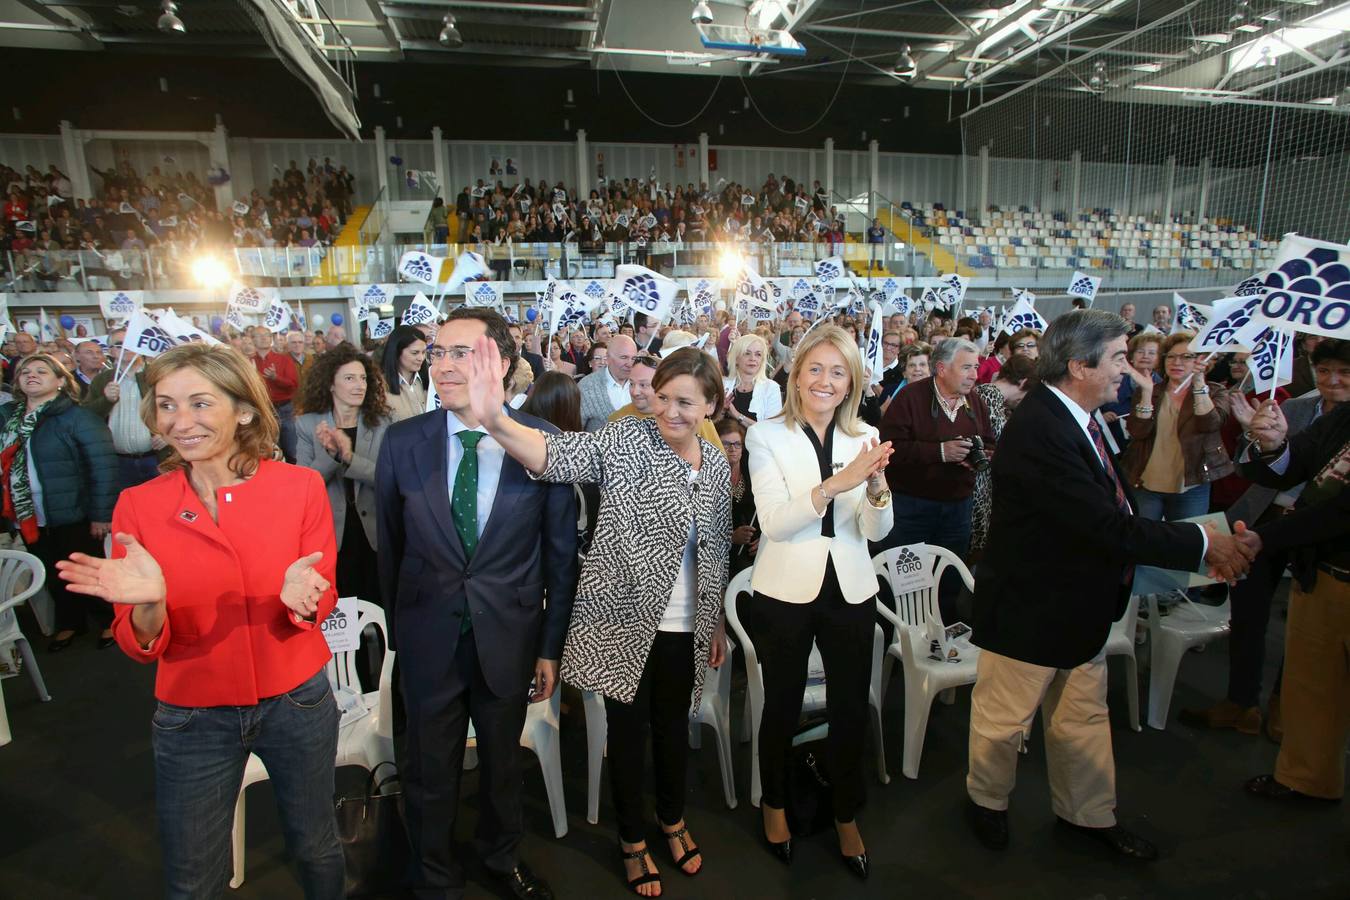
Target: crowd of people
x=49 y=236
x=699 y=453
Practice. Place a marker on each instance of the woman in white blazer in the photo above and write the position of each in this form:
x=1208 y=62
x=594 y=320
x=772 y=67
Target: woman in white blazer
x=818 y=474
x=751 y=395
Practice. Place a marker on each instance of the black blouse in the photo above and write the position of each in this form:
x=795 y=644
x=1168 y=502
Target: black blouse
x=825 y=457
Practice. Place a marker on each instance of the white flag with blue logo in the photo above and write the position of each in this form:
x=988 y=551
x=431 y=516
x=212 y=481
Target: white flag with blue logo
x=1308 y=288
x=468 y=266
x=182 y=331
x=951 y=291
x=1084 y=286
x=277 y=316
x=1189 y=316
x=419 y=311
x=1231 y=318
x=415 y=265
x=483 y=293
x=120 y=304
x=644 y=291
x=872 y=357
x=1022 y=315
x=380 y=328
x=595 y=288
x=752 y=290
x=830 y=270
x=252 y=300
x=702 y=294
x=372 y=296
x=892 y=287
x=798 y=288
x=570 y=310
x=1271 y=362
x=234 y=317
x=903 y=303
x=144 y=336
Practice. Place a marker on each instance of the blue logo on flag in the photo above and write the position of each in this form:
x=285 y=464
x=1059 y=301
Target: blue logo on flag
x=485 y=293
x=418 y=267
x=1250 y=287
x=373 y=296
x=827 y=271
x=121 y=303
x=594 y=289
x=641 y=293
x=275 y=316
x=1082 y=287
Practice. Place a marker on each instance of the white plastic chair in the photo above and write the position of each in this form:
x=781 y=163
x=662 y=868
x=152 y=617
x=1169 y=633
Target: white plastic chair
x=925 y=678
x=813 y=699
x=1188 y=625
x=714 y=711
x=363 y=740
x=1120 y=642
x=17 y=568
x=541 y=737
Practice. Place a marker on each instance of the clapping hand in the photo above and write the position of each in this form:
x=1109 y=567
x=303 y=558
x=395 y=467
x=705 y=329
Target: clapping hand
x=134 y=579
x=334 y=440
x=302 y=586
x=871 y=460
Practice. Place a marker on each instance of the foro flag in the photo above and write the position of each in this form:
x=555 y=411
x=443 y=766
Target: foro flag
x=419 y=311
x=1231 y=318
x=1308 y=289
x=1271 y=362
x=1084 y=286
x=254 y=300
x=278 y=316
x=830 y=270
x=372 y=296
x=570 y=310
x=144 y=336
x=120 y=304
x=951 y=290
x=380 y=328
x=644 y=291
x=468 y=266
x=1022 y=315
x=873 y=357
x=1189 y=316
x=753 y=291
x=482 y=293
x=421 y=267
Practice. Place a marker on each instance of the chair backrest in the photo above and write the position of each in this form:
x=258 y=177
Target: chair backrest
x=738 y=585
x=342 y=668
x=917 y=607
x=21 y=576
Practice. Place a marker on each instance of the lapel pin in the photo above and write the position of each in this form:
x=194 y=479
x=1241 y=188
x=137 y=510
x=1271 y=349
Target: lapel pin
x=188 y=515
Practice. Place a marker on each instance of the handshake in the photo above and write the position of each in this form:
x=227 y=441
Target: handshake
x=1230 y=555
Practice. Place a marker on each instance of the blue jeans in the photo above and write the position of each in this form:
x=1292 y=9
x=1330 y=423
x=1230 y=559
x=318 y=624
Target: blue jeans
x=946 y=523
x=286 y=440
x=200 y=753
x=1191 y=502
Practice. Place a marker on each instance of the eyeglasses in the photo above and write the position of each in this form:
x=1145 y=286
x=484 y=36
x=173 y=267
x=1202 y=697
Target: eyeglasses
x=894 y=345
x=650 y=362
x=732 y=445
x=1181 y=357
x=1025 y=345
x=455 y=354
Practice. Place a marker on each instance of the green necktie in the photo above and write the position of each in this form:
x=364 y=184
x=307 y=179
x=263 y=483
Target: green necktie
x=464 y=501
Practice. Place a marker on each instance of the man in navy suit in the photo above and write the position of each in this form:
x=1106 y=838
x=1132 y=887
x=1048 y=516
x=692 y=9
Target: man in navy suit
x=470 y=550
x=1057 y=571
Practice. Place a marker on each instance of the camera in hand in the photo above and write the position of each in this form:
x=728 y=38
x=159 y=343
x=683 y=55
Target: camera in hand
x=976 y=458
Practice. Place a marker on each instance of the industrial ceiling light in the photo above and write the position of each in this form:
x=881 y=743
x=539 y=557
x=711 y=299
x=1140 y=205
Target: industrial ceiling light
x=1098 y=78
x=702 y=14
x=905 y=67
x=1239 y=15
x=450 y=36
x=169 y=23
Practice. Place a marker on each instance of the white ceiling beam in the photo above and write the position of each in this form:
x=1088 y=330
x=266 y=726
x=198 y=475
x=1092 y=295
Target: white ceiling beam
x=1062 y=32
x=881 y=33
x=794 y=18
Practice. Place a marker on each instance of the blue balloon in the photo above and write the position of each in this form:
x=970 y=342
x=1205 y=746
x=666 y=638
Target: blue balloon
x=216 y=323
x=531 y=314
x=67 y=321
x=336 y=318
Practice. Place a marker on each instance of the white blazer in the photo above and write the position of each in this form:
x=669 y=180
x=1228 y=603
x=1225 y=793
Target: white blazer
x=790 y=563
x=767 y=400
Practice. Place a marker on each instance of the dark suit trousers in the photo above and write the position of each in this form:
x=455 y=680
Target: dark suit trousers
x=438 y=723
x=1250 y=601
x=843 y=633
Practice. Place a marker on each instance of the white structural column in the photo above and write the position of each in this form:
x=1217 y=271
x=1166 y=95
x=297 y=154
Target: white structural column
x=829 y=171
x=1076 y=179
x=438 y=155
x=1204 y=189
x=702 y=158
x=381 y=162
x=76 y=166
x=984 y=185
x=874 y=179
x=220 y=156
x=584 y=177
x=1171 y=188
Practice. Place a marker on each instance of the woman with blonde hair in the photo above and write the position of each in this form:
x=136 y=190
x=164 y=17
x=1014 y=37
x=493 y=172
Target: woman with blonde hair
x=818 y=476
x=225 y=588
x=751 y=395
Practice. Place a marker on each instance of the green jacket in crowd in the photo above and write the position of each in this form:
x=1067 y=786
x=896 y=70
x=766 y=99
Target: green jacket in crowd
x=72 y=451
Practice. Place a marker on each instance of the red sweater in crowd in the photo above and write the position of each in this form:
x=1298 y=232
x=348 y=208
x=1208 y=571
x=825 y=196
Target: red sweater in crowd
x=281 y=388
x=915 y=425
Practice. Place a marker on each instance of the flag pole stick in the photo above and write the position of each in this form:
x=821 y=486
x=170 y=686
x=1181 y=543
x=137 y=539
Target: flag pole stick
x=1279 y=357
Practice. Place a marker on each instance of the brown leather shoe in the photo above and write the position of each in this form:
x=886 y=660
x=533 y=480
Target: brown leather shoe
x=1225 y=714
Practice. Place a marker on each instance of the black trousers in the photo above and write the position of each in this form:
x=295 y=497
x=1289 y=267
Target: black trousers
x=662 y=705
x=843 y=633
x=438 y=724
x=56 y=542
x=1250 y=601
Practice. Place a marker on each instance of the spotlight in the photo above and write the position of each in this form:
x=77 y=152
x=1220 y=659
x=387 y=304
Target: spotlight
x=169 y=23
x=1098 y=75
x=210 y=272
x=729 y=265
x=905 y=68
x=702 y=14
x=450 y=36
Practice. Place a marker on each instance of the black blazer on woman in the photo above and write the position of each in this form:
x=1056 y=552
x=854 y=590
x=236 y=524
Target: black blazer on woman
x=1053 y=577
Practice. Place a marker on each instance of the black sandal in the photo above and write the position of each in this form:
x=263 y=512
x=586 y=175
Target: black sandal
x=647 y=876
x=689 y=854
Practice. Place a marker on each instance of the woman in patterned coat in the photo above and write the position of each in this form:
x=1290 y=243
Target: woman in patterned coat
x=647 y=619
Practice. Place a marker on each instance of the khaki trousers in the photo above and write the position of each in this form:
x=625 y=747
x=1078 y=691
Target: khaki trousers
x=1315 y=693
x=1077 y=736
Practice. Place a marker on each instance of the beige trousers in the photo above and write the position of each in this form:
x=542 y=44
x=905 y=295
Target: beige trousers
x=1077 y=736
x=1315 y=693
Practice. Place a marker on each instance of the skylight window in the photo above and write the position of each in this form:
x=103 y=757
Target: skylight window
x=1268 y=48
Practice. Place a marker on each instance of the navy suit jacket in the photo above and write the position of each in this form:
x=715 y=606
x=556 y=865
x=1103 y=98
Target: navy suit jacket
x=1051 y=581
x=527 y=552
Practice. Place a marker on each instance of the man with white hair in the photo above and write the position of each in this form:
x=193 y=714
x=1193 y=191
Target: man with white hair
x=940 y=433
x=333 y=336
x=605 y=390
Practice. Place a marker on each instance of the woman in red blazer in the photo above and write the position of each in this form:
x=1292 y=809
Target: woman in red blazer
x=225 y=587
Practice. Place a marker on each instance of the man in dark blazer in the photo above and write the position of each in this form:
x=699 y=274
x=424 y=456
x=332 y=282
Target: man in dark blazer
x=1057 y=570
x=471 y=549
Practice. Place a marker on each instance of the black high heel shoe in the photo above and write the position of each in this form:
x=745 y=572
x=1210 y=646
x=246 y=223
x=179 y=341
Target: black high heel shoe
x=781 y=850
x=59 y=644
x=859 y=865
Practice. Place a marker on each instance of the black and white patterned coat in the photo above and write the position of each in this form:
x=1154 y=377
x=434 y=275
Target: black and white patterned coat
x=646 y=505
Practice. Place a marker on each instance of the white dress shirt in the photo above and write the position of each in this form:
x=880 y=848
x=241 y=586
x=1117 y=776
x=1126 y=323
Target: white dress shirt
x=491 y=455
x=617 y=393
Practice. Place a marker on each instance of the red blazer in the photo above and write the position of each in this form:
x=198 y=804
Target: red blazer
x=228 y=640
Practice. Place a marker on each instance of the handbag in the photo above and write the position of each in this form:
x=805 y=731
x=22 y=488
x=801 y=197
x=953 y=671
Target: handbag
x=809 y=795
x=374 y=839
